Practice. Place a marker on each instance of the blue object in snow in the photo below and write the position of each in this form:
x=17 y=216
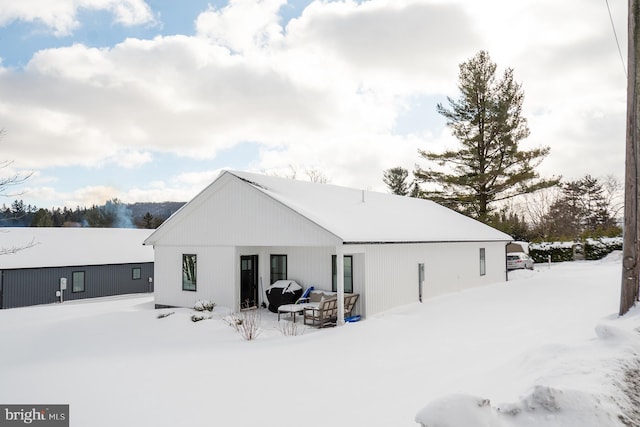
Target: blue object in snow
x=307 y=292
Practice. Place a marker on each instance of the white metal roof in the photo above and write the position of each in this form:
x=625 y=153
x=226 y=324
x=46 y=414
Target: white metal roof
x=61 y=247
x=366 y=216
x=359 y=216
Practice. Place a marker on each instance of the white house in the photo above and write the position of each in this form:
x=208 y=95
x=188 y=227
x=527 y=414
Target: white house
x=245 y=231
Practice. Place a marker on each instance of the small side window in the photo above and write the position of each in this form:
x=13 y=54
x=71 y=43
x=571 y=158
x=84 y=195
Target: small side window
x=278 y=268
x=348 y=274
x=77 y=281
x=136 y=273
x=189 y=271
x=483 y=262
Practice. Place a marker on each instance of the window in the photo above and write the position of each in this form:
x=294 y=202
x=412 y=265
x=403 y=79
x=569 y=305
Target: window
x=278 y=267
x=189 y=270
x=77 y=281
x=348 y=274
x=483 y=262
x=136 y=273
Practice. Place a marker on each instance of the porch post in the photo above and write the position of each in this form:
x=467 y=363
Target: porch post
x=340 y=283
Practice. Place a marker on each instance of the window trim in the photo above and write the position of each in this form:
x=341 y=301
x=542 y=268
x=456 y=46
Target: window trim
x=334 y=275
x=133 y=274
x=286 y=267
x=195 y=273
x=483 y=262
x=73 y=281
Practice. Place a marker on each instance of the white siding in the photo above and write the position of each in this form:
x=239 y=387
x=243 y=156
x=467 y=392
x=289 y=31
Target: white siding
x=385 y=275
x=216 y=273
x=307 y=266
x=232 y=213
x=392 y=271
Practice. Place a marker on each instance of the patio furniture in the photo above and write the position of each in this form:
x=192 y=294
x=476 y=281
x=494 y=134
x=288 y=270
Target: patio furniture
x=325 y=312
x=297 y=307
x=282 y=292
x=292 y=309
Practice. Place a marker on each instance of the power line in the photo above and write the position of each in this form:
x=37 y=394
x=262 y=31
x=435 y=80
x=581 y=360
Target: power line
x=624 y=67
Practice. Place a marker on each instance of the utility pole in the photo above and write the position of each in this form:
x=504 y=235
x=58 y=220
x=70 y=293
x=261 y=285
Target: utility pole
x=630 y=267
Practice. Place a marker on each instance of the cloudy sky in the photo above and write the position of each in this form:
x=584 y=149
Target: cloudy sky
x=149 y=100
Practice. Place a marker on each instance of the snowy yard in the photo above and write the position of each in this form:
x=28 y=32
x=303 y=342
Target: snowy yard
x=545 y=348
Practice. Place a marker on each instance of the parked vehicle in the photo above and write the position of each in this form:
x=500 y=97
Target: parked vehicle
x=517 y=260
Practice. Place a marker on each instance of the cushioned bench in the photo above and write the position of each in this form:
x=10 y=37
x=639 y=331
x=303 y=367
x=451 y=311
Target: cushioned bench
x=324 y=312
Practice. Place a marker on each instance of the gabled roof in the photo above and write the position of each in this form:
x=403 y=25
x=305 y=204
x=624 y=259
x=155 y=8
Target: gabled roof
x=359 y=216
x=65 y=247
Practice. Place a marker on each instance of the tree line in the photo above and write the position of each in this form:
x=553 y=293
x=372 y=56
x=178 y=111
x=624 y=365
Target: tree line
x=113 y=214
x=489 y=177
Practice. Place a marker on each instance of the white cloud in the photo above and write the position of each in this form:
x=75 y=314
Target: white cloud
x=390 y=46
x=130 y=159
x=325 y=92
x=60 y=16
x=84 y=196
x=242 y=25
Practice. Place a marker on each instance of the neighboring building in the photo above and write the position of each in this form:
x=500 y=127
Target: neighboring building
x=245 y=231
x=95 y=262
x=518 y=247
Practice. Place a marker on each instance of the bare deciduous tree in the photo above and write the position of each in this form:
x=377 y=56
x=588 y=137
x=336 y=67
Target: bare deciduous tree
x=6 y=181
x=536 y=208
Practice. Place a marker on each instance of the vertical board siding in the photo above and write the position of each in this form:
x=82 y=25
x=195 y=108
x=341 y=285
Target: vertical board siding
x=392 y=271
x=215 y=276
x=33 y=286
x=385 y=275
x=237 y=214
x=308 y=266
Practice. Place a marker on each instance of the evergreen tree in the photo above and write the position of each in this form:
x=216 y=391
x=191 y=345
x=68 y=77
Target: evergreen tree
x=42 y=218
x=58 y=217
x=487 y=121
x=147 y=220
x=396 y=180
x=582 y=210
x=18 y=209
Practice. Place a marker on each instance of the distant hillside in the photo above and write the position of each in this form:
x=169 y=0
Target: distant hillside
x=161 y=210
x=113 y=214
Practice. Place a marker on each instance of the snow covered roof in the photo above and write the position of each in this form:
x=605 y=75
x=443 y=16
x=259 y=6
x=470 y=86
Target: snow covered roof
x=359 y=216
x=61 y=247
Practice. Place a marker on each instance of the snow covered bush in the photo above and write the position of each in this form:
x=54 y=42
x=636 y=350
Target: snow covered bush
x=204 y=305
x=196 y=317
x=247 y=323
x=165 y=314
x=599 y=248
x=288 y=329
x=563 y=251
x=559 y=251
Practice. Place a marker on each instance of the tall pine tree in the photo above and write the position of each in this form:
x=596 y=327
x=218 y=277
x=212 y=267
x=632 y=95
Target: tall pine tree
x=396 y=180
x=489 y=166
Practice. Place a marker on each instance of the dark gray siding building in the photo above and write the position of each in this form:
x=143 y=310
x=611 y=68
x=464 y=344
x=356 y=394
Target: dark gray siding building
x=31 y=286
x=90 y=262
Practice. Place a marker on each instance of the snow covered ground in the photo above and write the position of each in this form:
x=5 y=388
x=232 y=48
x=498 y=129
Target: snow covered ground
x=544 y=349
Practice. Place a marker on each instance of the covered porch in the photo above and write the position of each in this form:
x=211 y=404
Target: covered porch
x=339 y=269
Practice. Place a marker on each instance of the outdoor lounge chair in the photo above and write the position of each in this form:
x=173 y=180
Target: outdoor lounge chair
x=297 y=307
x=325 y=313
x=305 y=296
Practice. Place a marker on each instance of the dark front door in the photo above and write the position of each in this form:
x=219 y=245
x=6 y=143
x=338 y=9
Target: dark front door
x=248 y=281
